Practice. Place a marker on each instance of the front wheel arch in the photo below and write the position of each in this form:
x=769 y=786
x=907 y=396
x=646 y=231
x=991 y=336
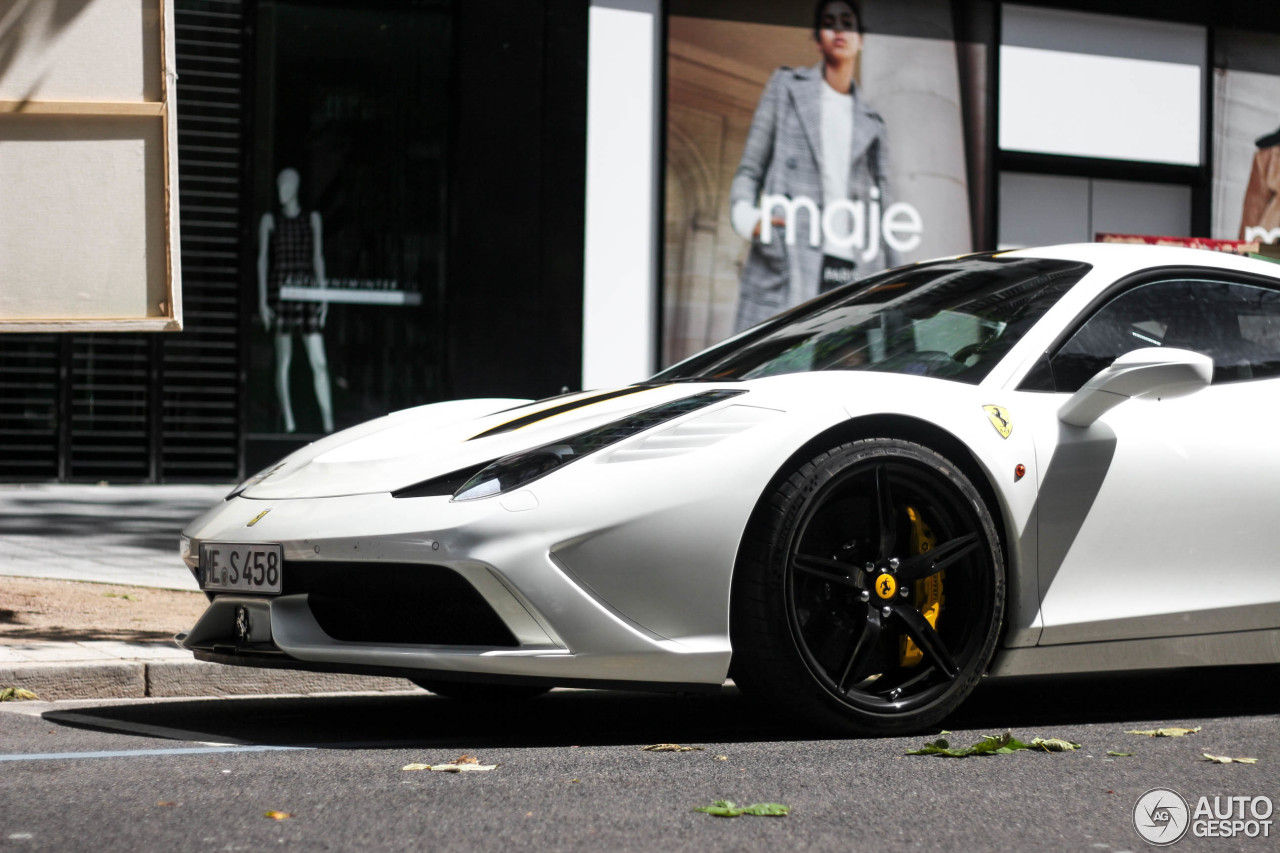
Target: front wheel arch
x=906 y=428
x=782 y=664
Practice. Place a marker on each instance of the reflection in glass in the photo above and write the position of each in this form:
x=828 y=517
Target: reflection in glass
x=949 y=319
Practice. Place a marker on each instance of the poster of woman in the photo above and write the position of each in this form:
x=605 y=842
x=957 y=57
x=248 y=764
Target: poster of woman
x=805 y=150
x=1246 y=137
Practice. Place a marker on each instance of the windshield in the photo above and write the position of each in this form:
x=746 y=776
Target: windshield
x=952 y=319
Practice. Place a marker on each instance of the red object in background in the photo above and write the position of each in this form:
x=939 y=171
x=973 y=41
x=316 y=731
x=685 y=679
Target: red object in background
x=1235 y=247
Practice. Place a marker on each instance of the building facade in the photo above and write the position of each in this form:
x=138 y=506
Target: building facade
x=390 y=203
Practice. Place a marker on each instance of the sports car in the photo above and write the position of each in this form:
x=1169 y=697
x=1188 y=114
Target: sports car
x=1003 y=464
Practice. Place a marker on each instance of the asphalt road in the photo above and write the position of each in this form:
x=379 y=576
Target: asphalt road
x=200 y=774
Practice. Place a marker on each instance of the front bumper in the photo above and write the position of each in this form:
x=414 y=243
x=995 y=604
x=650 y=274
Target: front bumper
x=514 y=610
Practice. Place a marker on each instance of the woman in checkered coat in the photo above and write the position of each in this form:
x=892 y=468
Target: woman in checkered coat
x=812 y=139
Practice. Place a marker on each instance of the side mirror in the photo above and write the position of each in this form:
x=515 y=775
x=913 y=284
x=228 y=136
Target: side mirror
x=1145 y=372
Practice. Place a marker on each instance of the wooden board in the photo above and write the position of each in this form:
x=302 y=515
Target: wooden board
x=88 y=169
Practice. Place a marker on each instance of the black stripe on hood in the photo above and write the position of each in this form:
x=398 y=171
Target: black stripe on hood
x=543 y=414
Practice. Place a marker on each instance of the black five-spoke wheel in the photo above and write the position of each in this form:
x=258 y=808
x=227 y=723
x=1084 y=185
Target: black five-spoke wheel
x=869 y=593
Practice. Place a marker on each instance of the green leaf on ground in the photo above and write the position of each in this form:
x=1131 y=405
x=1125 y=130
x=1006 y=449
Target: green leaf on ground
x=1172 y=731
x=994 y=745
x=16 y=694
x=1223 y=759
x=989 y=745
x=727 y=808
x=1119 y=754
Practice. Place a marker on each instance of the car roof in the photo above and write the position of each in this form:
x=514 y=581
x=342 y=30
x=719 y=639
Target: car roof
x=1123 y=258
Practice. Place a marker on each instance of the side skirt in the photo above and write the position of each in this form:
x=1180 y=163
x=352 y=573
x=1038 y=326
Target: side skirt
x=1230 y=649
x=264 y=659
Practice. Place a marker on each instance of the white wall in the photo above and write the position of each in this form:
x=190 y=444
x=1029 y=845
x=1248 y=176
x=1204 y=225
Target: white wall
x=620 y=280
x=1100 y=86
x=1041 y=210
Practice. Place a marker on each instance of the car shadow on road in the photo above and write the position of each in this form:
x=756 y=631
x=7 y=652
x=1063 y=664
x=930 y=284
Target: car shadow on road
x=590 y=717
x=1121 y=697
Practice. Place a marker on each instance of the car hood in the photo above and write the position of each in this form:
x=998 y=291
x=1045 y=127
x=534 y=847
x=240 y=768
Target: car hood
x=414 y=445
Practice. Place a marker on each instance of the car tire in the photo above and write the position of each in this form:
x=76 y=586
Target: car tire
x=467 y=691
x=843 y=560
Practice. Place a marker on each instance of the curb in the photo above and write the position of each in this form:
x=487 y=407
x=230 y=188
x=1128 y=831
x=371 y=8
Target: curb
x=169 y=679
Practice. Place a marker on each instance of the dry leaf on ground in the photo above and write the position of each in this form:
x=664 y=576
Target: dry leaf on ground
x=462 y=768
x=671 y=747
x=1171 y=731
x=459 y=765
x=1223 y=759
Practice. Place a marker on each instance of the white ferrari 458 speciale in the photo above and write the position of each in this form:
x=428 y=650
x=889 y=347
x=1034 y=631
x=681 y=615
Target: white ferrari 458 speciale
x=1029 y=462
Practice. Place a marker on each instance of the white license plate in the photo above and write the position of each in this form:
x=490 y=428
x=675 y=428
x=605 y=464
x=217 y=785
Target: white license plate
x=236 y=567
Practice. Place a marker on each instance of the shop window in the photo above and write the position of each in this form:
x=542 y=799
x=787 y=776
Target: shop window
x=351 y=122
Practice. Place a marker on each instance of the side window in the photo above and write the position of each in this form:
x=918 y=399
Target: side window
x=1237 y=325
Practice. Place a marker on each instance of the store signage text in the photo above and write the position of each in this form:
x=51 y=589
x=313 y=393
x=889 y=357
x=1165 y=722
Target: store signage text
x=900 y=223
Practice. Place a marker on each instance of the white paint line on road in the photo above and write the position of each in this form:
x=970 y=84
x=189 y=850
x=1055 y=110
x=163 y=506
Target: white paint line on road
x=133 y=753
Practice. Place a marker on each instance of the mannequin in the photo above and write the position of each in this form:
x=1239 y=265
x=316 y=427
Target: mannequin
x=291 y=251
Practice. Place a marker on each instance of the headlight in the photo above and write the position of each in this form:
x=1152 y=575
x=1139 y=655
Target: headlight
x=520 y=469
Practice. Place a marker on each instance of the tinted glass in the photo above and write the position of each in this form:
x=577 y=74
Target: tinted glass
x=1237 y=325
x=950 y=319
x=352 y=122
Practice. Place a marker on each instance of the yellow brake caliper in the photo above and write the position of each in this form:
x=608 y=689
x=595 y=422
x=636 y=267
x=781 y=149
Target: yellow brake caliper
x=928 y=590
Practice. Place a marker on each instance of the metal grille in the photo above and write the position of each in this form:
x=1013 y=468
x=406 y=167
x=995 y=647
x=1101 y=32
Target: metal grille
x=199 y=420
x=159 y=406
x=29 y=376
x=397 y=603
x=109 y=397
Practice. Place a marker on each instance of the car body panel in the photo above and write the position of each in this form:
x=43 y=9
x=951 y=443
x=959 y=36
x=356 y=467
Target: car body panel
x=618 y=567
x=1161 y=521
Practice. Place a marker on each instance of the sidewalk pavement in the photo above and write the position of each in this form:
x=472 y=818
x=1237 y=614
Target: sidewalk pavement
x=124 y=535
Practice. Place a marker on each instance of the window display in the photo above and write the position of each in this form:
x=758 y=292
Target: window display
x=352 y=120
x=291 y=254
x=808 y=146
x=1260 y=219
x=1246 y=153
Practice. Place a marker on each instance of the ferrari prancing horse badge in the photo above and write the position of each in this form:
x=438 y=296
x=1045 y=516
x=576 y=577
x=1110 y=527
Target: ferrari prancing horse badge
x=999 y=416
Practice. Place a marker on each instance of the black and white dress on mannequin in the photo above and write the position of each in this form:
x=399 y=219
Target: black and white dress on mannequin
x=291 y=253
